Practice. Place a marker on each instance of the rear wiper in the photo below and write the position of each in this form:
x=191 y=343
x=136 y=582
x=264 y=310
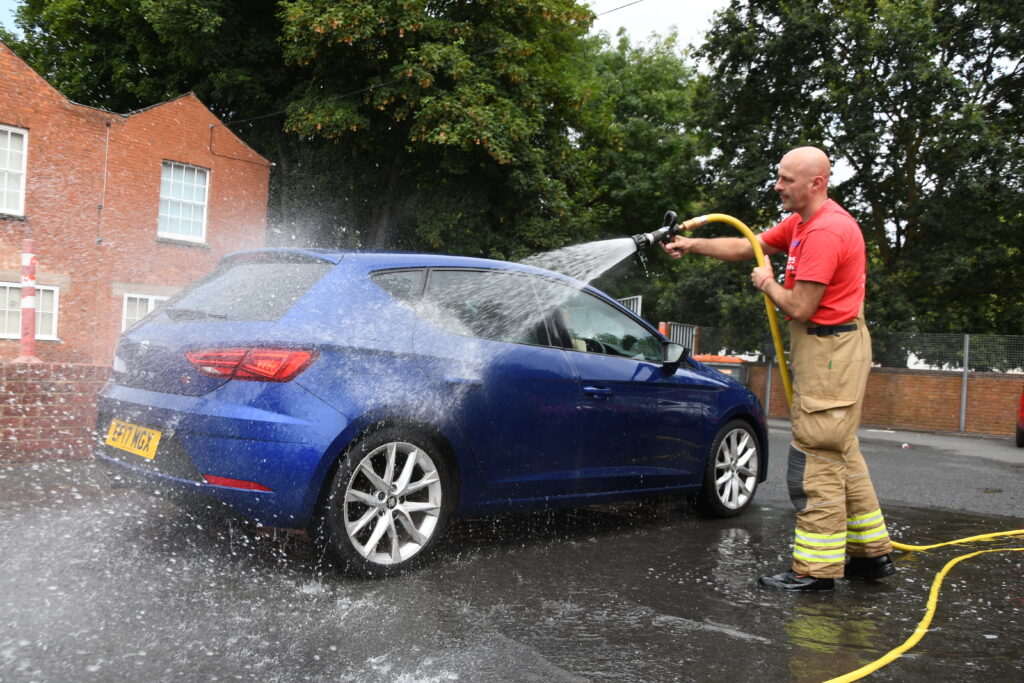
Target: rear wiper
x=177 y=314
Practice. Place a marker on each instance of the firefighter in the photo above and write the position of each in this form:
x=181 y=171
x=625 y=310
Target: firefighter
x=838 y=513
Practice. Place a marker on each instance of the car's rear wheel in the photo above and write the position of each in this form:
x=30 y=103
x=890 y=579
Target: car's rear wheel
x=730 y=478
x=1020 y=437
x=389 y=502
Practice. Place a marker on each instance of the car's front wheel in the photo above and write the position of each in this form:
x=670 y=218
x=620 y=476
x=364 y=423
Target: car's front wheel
x=388 y=503
x=730 y=478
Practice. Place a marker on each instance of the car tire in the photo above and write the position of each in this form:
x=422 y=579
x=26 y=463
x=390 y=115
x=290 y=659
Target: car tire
x=1020 y=437
x=731 y=473
x=388 y=503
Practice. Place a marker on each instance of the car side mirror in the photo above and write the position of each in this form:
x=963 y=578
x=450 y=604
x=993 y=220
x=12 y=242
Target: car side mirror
x=672 y=355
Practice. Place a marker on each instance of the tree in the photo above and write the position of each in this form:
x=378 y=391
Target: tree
x=458 y=121
x=125 y=54
x=917 y=101
x=647 y=159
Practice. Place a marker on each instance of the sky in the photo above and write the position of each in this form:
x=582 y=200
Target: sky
x=7 y=14
x=691 y=18
x=639 y=17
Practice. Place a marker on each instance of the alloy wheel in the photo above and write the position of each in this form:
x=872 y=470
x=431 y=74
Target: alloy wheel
x=392 y=503
x=736 y=468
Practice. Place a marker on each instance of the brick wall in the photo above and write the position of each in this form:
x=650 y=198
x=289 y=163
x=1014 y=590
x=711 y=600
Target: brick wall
x=92 y=193
x=922 y=400
x=48 y=410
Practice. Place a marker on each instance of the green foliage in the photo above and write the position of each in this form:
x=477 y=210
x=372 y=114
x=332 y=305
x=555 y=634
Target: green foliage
x=918 y=100
x=125 y=54
x=647 y=160
x=459 y=117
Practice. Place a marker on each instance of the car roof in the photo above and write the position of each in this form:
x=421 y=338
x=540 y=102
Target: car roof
x=374 y=260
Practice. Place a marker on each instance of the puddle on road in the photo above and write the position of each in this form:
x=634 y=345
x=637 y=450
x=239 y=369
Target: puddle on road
x=110 y=585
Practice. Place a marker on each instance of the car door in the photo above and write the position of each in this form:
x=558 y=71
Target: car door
x=484 y=338
x=642 y=424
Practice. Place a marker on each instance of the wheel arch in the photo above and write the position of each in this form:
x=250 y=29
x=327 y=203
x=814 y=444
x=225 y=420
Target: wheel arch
x=345 y=441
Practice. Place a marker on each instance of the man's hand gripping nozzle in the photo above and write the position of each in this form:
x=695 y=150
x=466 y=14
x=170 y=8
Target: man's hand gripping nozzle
x=670 y=228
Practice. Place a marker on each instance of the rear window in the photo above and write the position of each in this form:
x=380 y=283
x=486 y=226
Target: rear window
x=247 y=291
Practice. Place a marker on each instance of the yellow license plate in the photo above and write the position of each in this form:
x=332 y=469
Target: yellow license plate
x=133 y=438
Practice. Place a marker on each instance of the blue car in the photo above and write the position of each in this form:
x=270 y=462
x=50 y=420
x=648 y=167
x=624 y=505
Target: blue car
x=370 y=397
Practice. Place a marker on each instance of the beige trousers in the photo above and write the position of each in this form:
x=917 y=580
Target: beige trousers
x=837 y=509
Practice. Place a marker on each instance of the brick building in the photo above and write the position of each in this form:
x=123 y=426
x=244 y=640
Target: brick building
x=124 y=210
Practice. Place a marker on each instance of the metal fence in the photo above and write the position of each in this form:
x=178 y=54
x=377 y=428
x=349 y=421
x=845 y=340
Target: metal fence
x=633 y=303
x=910 y=350
x=956 y=354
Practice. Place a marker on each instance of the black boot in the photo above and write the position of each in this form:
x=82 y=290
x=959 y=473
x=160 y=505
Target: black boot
x=791 y=581
x=869 y=568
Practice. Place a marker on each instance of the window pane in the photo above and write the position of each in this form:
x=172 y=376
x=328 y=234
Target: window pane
x=607 y=330
x=9 y=323
x=183 y=197
x=487 y=304
x=44 y=324
x=249 y=291
x=404 y=284
x=10 y=310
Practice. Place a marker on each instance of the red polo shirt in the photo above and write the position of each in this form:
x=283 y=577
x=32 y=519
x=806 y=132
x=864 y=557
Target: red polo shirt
x=828 y=249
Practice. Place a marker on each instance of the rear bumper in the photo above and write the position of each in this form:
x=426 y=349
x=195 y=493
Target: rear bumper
x=212 y=435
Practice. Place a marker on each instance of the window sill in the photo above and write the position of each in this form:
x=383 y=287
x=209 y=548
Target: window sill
x=12 y=217
x=182 y=243
x=38 y=339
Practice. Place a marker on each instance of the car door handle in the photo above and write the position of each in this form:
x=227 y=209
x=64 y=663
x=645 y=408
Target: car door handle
x=597 y=392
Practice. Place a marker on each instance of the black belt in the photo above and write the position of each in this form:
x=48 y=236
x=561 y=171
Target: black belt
x=825 y=330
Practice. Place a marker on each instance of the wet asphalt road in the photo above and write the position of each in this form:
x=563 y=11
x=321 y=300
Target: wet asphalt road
x=110 y=585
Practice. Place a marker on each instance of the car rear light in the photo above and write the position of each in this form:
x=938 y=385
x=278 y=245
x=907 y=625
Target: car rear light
x=256 y=364
x=234 y=483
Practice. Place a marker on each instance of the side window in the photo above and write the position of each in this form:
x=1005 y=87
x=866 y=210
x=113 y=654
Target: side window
x=595 y=326
x=405 y=285
x=13 y=158
x=488 y=304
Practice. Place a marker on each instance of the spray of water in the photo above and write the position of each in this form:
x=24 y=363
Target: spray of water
x=585 y=262
x=503 y=306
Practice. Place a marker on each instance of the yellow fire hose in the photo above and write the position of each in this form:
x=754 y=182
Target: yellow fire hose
x=769 y=305
x=933 y=596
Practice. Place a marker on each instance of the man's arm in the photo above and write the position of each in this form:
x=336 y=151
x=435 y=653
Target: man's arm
x=721 y=248
x=798 y=303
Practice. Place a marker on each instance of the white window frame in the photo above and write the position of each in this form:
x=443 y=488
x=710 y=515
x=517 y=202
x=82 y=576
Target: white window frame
x=11 y=174
x=185 y=206
x=16 y=334
x=152 y=301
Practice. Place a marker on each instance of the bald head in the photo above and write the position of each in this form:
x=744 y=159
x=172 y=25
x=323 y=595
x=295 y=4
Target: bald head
x=810 y=160
x=803 y=180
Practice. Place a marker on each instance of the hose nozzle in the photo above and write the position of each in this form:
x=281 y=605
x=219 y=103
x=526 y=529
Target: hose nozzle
x=663 y=234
